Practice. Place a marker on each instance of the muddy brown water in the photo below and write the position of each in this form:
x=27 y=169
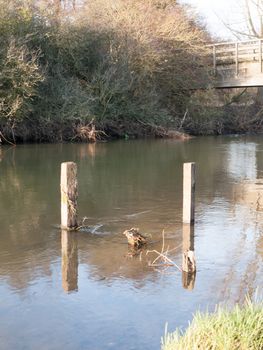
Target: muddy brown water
x=84 y=290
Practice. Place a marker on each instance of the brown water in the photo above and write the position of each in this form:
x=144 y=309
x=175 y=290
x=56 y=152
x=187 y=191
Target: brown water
x=82 y=290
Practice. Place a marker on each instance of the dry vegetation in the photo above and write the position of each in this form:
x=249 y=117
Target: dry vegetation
x=119 y=68
x=125 y=65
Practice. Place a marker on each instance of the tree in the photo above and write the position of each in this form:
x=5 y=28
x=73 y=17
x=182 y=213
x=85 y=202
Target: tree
x=251 y=20
x=251 y=25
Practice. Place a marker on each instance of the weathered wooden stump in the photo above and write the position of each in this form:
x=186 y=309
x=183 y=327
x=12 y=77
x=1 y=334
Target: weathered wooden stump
x=69 y=194
x=69 y=260
x=189 y=193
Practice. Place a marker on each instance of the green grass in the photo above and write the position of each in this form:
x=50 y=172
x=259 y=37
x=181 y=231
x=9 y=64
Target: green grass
x=238 y=329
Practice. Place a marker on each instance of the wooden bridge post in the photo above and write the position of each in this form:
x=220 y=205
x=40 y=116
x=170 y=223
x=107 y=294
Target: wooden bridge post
x=260 y=54
x=68 y=187
x=214 y=59
x=237 y=64
x=236 y=60
x=189 y=193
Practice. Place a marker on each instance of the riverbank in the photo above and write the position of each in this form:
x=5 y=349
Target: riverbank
x=90 y=132
x=122 y=66
x=225 y=122
x=240 y=328
x=126 y=72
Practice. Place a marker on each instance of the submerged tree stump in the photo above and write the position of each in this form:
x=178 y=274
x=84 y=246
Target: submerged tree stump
x=69 y=194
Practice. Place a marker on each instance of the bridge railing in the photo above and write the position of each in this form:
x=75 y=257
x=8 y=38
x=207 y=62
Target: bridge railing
x=234 y=54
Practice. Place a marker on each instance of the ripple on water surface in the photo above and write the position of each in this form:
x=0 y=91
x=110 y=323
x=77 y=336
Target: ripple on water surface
x=88 y=290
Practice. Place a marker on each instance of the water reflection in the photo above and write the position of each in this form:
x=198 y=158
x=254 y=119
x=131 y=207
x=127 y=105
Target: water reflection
x=243 y=275
x=69 y=265
x=242 y=160
x=123 y=185
x=109 y=257
x=91 y=150
x=188 y=258
x=260 y=247
x=251 y=194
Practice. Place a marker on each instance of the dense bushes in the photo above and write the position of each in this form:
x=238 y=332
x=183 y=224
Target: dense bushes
x=124 y=64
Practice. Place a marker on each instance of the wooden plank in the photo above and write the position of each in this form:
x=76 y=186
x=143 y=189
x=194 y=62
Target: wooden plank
x=232 y=82
x=243 y=42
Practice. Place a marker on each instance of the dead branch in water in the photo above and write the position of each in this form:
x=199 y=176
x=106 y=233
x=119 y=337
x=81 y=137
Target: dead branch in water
x=169 y=133
x=162 y=257
x=5 y=139
x=88 y=132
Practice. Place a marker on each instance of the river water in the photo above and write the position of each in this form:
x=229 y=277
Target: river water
x=85 y=290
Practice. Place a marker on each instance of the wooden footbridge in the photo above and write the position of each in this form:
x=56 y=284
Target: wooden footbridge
x=237 y=64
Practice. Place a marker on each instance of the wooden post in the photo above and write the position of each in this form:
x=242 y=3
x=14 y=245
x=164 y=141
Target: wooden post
x=188 y=263
x=260 y=55
x=214 y=59
x=189 y=193
x=188 y=257
x=68 y=186
x=188 y=280
x=69 y=261
x=236 y=59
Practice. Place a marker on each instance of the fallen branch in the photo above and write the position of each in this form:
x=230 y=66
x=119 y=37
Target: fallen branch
x=160 y=265
x=5 y=139
x=88 y=132
x=165 y=259
x=166 y=262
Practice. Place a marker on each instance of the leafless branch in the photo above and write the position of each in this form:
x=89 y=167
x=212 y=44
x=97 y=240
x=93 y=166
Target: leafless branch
x=163 y=257
x=250 y=21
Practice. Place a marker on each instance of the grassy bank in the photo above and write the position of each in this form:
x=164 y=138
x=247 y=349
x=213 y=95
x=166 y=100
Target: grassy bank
x=238 y=329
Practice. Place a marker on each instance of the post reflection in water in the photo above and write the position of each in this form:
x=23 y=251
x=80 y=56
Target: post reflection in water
x=188 y=258
x=69 y=257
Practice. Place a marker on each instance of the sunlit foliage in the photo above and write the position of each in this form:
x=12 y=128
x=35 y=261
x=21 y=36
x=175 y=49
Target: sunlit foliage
x=125 y=64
